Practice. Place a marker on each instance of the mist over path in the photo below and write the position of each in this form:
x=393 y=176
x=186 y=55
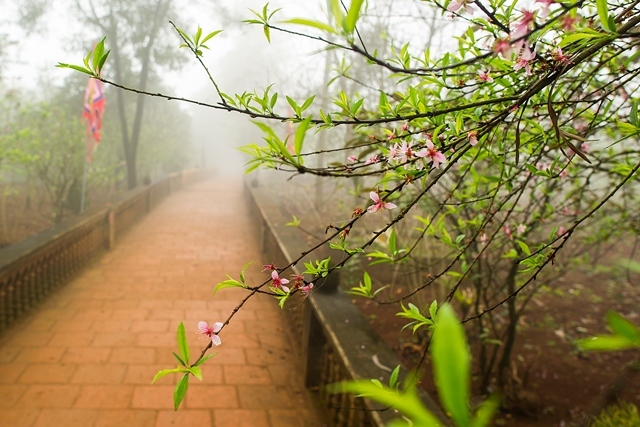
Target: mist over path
x=87 y=355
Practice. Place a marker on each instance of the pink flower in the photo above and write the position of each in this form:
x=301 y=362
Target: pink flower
x=352 y=158
x=526 y=56
x=378 y=204
x=507 y=231
x=432 y=153
x=484 y=76
x=484 y=238
x=457 y=4
x=544 y=12
x=521 y=229
x=269 y=267
x=559 y=56
x=523 y=26
x=473 y=137
x=502 y=47
x=394 y=152
x=561 y=230
x=406 y=153
x=372 y=160
x=306 y=289
x=279 y=283
x=405 y=127
x=568 y=22
x=210 y=331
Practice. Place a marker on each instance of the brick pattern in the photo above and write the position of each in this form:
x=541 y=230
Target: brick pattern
x=87 y=355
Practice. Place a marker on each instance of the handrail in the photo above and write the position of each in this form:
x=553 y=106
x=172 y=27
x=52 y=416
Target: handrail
x=31 y=269
x=335 y=340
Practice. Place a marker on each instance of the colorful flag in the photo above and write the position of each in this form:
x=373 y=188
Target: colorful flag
x=94 y=104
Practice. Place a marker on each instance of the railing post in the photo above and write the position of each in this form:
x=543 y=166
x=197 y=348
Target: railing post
x=111 y=219
x=313 y=342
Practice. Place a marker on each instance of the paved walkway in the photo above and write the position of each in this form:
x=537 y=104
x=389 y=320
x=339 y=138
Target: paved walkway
x=86 y=356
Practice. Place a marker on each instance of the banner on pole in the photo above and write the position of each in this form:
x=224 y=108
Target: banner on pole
x=94 y=104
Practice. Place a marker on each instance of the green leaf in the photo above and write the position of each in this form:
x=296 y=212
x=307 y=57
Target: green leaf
x=393 y=378
x=407 y=403
x=166 y=372
x=603 y=13
x=352 y=15
x=606 y=343
x=179 y=359
x=483 y=415
x=267 y=32
x=180 y=391
x=76 y=67
x=524 y=247
x=451 y=363
x=196 y=372
x=311 y=23
x=300 y=135
x=231 y=283
x=210 y=35
x=623 y=327
x=204 y=359
x=183 y=346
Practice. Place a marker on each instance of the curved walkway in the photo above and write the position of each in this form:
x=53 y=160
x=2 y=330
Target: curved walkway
x=86 y=356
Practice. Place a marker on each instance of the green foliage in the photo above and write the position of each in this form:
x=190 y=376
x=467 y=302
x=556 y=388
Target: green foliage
x=451 y=364
x=184 y=367
x=625 y=335
x=621 y=415
x=417 y=319
x=232 y=283
x=93 y=62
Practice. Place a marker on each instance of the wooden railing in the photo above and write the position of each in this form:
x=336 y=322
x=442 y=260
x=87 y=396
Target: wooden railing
x=335 y=340
x=33 y=268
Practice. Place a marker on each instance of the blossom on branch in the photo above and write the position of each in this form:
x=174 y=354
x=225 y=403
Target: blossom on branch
x=473 y=137
x=526 y=56
x=502 y=47
x=210 y=331
x=483 y=76
x=457 y=4
x=278 y=282
x=378 y=203
x=432 y=153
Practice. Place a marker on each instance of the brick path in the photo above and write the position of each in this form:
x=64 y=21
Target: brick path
x=87 y=355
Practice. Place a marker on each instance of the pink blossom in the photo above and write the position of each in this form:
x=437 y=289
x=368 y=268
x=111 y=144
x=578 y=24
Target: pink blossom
x=507 y=231
x=484 y=238
x=210 y=331
x=473 y=137
x=306 y=289
x=523 y=26
x=457 y=4
x=432 y=153
x=352 y=158
x=392 y=136
x=278 y=282
x=544 y=12
x=378 y=204
x=559 y=56
x=526 y=56
x=372 y=160
x=405 y=127
x=502 y=47
x=394 y=151
x=561 y=230
x=483 y=75
x=269 y=267
x=521 y=229
x=406 y=152
x=568 y=22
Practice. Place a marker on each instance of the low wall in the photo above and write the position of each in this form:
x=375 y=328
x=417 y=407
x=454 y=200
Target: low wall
x=335 y=340
x=33 y=268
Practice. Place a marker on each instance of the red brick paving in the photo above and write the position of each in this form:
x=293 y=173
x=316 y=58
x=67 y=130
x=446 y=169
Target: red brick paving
x=87 y=355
